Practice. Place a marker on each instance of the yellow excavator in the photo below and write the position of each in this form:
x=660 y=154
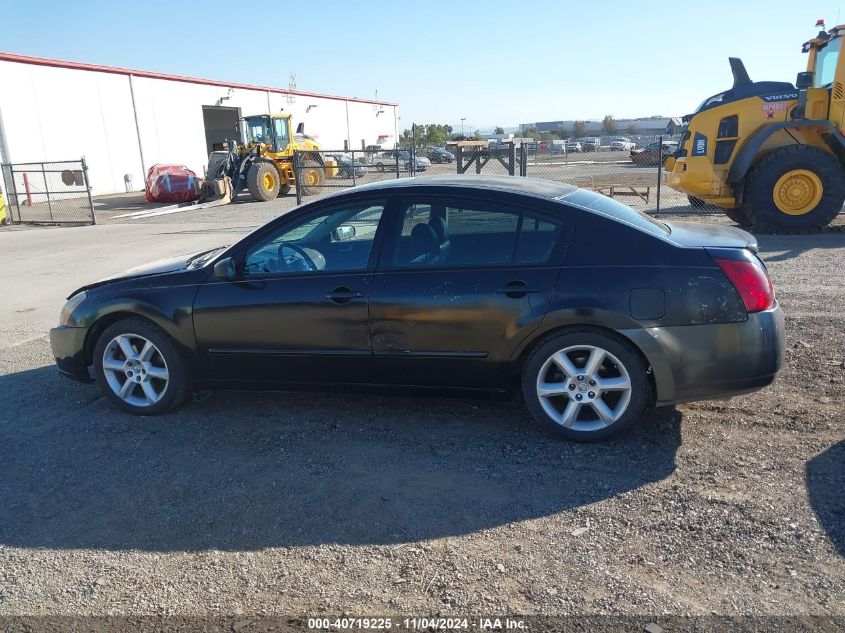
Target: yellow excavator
x=263 y=164
x=771 y=154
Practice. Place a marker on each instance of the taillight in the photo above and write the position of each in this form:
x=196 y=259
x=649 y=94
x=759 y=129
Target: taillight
x=751 y=282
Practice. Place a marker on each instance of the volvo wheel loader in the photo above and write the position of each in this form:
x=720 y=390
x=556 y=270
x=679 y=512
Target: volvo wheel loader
x=263 y=164
x=771 y=154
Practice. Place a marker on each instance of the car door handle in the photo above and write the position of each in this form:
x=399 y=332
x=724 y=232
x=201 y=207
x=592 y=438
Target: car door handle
x=516 y=288
x=343 y=294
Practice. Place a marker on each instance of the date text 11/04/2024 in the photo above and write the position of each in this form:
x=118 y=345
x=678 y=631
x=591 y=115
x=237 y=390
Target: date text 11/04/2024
x=416 y=624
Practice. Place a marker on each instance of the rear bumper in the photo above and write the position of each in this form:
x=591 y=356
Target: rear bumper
x=68 y=345
x=702 y=362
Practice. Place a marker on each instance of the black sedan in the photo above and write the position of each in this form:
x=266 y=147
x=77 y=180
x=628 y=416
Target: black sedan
x=440 y=155
x=591 y=310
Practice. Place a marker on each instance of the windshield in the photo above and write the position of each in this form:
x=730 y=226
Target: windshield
x=826 y=59
x=263 y=129
x=258 y=130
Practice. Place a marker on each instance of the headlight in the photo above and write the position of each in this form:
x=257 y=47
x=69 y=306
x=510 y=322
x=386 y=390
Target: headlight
x=70 y=306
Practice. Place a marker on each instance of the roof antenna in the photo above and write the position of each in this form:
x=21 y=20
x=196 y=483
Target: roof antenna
x=741 y=77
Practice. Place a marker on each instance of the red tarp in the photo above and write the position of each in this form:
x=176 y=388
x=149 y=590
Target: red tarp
x=171 y=183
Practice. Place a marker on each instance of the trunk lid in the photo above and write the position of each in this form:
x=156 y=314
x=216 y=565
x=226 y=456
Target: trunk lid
x=711 y=235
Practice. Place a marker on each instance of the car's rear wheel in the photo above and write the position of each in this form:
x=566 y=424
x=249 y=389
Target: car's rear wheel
x=584 y=385
x=139 y=368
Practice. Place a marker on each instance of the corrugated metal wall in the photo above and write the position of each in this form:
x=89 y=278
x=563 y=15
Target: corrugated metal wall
x=58 y=113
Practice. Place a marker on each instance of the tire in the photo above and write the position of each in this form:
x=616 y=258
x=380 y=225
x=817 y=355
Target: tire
x=740 y=216
x=698 y=203
x=817 y=178
x=263 y=181
x=624 y=405
x=285 y=189
x=171 y=391
x=312 y=177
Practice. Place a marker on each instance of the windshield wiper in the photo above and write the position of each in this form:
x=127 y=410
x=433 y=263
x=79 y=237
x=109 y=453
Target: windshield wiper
x=199 y=259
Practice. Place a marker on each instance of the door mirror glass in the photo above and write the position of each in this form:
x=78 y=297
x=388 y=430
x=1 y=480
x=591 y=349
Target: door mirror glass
x=343 y=232
x=225 y=269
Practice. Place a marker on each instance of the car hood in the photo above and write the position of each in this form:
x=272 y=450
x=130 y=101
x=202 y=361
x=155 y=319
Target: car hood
x=712 y=235
x=158 y=267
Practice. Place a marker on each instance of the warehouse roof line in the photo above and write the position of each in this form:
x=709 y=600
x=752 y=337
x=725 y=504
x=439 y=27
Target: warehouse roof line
x=58 y=63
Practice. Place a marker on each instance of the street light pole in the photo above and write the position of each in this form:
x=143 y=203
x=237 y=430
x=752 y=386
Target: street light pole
x=462 y=125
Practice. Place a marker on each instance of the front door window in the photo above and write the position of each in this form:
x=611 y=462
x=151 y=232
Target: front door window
x=282 y=138
x=337 y=240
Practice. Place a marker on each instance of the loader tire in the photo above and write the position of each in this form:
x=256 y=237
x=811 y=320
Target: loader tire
x=794 y=189
x=285 y=189
x=697 y=203
x=262 y=180
x=312 y=176
x=740 y=216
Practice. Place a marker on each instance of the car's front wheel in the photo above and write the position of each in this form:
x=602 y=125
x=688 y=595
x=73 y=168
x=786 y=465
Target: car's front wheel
x=139 y=368
x=584 y=385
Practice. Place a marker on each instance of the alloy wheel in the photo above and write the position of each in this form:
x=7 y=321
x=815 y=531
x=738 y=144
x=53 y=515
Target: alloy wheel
x=584 y=388
x=135 y=370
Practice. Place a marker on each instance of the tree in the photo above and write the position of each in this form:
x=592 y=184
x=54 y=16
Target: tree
x=631 y=129
x=579 y=129
x=499 y=130
x=435 y=135
x=563 y=132
x=608 y=124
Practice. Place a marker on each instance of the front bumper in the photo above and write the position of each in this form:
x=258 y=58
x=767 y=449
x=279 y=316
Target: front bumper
x=703 y=362
x=68 y=345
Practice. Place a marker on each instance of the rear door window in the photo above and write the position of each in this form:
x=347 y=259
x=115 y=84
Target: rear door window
x=453 y=233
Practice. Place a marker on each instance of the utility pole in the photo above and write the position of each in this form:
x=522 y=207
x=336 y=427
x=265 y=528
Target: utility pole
x=462 y=125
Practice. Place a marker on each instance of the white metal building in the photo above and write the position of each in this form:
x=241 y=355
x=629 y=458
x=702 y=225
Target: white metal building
x=124 y=121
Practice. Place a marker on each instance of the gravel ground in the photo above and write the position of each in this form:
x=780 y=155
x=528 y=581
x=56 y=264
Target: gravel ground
x=275 y=503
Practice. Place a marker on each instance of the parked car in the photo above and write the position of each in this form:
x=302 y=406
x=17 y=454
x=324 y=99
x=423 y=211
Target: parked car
x=591 y=144
x=622 y=145
x=386 y=161
x=439 y=155
x=347 y=167
x=558 y=147
x=651 y=154
x=444 y=282
x=573 y=146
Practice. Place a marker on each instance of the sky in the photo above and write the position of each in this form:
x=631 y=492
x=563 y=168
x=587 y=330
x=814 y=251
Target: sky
x=494 y=63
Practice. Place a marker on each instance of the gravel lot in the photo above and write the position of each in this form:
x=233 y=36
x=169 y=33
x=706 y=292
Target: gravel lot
x=275 y=503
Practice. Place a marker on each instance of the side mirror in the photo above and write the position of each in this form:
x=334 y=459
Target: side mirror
x=300 y=129
x=343 y=232
x=804 y=80
x=225 y=269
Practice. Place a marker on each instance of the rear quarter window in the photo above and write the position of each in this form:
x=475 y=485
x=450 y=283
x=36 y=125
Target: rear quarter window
x=610 y=208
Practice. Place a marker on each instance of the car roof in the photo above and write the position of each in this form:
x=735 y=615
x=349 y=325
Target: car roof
x=507 y=184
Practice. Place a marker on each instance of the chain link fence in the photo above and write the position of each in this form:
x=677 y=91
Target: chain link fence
x=317 y=173
x=56 y=192
x=629 y=171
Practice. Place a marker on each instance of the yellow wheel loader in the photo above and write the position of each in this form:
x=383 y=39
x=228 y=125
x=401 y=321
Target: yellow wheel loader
x=264 y=163
x=771 y=154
